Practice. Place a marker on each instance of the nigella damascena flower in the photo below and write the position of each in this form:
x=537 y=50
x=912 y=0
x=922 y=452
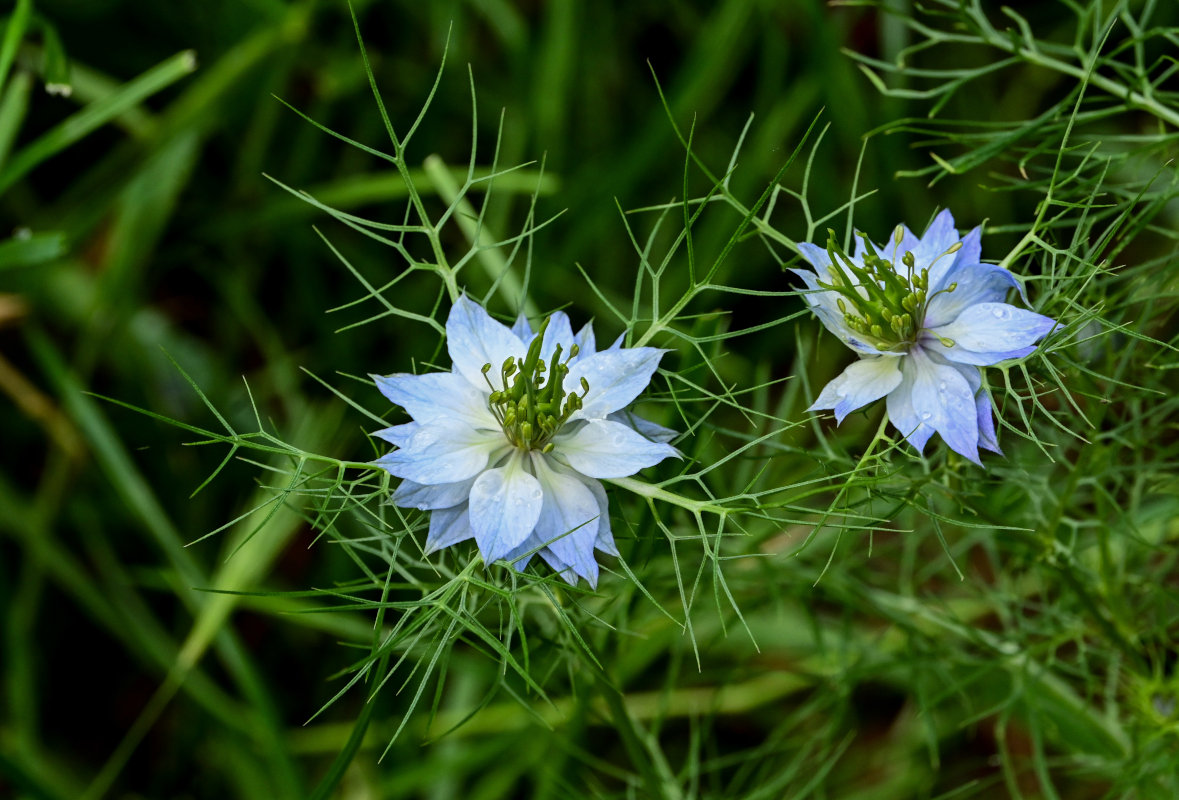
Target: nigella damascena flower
x=923 y=314
x=507 y=447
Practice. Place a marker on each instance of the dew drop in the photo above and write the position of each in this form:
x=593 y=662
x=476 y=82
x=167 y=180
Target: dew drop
x=1001 y=312
x=926 y=415
x=942 y=386
x=537 y=494
x=423 y=506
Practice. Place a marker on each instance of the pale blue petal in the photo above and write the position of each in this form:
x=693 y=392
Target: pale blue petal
x=448 y=526
x=615 y=377
x=443 y=452
x=559 y=332
x=942 y=267
x=942 y=399
x=522 y=329
x=987 y=333
x=617 y=344
x=398 y=434
x=438 y=395
x=505 y=504
x=426 y=498
x=824 y=303
x=605 y=537
x=816 y=256
x=568 y=521
x=937 y=239
x=986 y=423
x=473 y=339
x=861 y=383
x=586 y=343
x=901 y=413
x=975 y=283
x=645 y=428
x=558 y=566
x=604 y=449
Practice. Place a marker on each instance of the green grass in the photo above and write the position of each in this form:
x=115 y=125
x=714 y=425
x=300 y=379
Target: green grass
x=204 y=589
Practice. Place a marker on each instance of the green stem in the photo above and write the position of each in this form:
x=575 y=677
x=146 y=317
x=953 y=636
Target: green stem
x=656 y=493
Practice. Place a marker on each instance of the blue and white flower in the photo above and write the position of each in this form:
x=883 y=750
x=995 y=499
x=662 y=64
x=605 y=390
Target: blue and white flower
x=924 y=314
x=509 y=445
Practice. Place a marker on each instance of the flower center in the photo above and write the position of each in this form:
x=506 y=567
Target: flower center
x=532 y=404
x=883 y=304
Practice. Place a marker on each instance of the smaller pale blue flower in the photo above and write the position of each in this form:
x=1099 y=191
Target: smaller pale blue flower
x=923 y=314
x=507 y=448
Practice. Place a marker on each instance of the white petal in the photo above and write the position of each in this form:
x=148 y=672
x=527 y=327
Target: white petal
x=425 y=498
x=568 y=521
x=615 y=377
x=505 y=504
x=987 y=333
x=448 y=526
x=438 y=395
x=974 y=283
x=443 y=452
x=644 y=427
x=604 y=449
x=473 y=339
x=861 y=383
x=942 y=398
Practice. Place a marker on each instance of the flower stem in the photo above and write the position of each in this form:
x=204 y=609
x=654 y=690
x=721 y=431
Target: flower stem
x=658 y=493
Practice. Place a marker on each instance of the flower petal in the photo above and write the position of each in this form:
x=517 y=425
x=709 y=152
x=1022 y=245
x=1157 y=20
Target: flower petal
x=975 y=283
x=644 y=427
x=398 y=434
x=862 y=382
x=448 y=526
x=438 y=395
x=987 y=333
x=824 y=303
x=986 y=423
x=559 y=332
x=939 y=237
x=605 y=538
x=446 y=451
x=522 y=329
x=942 y=399
x=473 y=339
x=605 y=449
x=568 y=522
x=615 y=377
x=585 y=340
x=505 y=504
x=425 y=497
x=901 y=413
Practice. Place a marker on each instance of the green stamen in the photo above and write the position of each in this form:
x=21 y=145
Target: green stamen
x=880 y=303
x=531 y=403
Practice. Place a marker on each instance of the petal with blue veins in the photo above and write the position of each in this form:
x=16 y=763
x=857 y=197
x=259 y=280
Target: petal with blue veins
x=605 y=449
x=505 y=505
x=862 y=382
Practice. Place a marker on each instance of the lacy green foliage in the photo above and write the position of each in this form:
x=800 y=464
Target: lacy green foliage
x=799 y=609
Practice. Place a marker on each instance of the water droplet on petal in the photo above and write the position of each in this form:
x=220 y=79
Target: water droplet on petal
x=942 y=386
x=423 y=506
x=537 y=494
x=1001 y=312
x=926 y=415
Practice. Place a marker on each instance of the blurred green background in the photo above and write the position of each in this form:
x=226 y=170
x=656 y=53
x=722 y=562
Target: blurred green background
x=158 y=237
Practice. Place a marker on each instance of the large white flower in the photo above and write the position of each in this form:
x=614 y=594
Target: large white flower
x=924 y=314
x=507 y=447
